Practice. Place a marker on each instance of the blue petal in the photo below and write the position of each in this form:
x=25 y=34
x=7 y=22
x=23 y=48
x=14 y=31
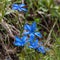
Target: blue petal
x=15 y=6
x=17 y=44
x=36 y=41
x=22 y=5
x=19 y=9
x=34 y=44
x=24 y=9
x=17 y=39
x=24 y=38
x=41 y=49
x=27 y=27
x=32 y=36
x=21 y=43
x=33 y=26
x=31 y=47
x=38 y=34
x=26 y=33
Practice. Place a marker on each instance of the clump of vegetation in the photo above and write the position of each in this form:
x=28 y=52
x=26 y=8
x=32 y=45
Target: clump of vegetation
x=29 y=30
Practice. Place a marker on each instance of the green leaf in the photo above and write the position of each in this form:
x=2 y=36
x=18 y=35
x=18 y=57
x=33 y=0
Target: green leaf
x=37 y=20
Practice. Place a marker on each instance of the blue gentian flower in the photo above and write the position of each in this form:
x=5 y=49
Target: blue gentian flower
x=29 y=35
x=19 y=7
x=41 y=49
x=32 y=29
x=34 y=44
x=20 y=41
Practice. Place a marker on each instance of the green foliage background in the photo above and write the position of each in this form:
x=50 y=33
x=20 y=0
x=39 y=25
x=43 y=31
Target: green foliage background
x=49 y=11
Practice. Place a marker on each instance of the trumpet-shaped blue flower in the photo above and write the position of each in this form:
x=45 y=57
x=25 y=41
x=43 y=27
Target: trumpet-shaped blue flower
x=20 y=41
x=19 y=7
x=30 y=33
x=32 y=29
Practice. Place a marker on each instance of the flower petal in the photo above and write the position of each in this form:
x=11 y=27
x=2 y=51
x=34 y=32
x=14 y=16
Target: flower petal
x=19 y=9
x=24 y=9
x=24 y=38
x=31 y=47
x=22 y=5
x=31 y=37
x=38 y=34
x=17 y=44
x=41 y=49
x=17 y=39
x=27 y=27
x=34 y=44
x=33 y=26
x=26 y=33
x=15 y=7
